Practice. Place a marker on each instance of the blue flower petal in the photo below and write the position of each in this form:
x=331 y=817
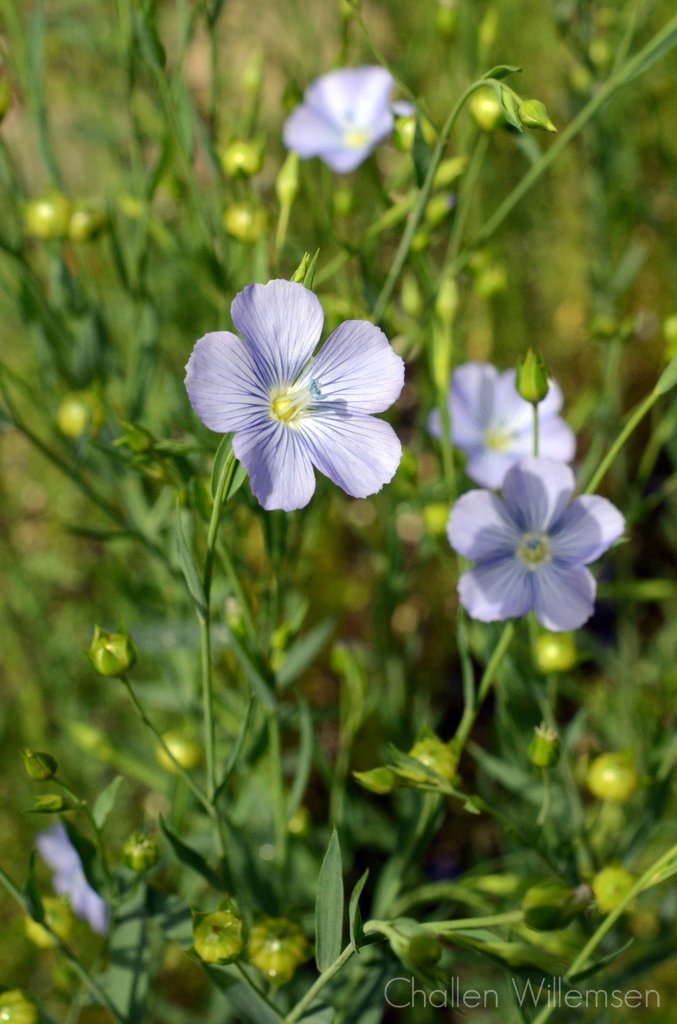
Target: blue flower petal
x=472 y=402
x=480 y=528
x=537 y=491
x=357 y=367
x=309 y=133
x=359 y=453
x=565 y=596
x=224 y=383
x=586 y=529
x=488 y=467
x=282 y=321
x=57 y=851
x=497 y=590
x=69 y=879
x=275 y=457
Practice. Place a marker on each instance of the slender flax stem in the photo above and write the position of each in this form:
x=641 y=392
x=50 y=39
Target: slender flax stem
x=471 y=711
x=297 y=1012
x=640 y=412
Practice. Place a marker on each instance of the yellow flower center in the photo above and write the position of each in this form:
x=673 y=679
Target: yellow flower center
x=497 y=439
x=355 y=139
x=534 y=550
x=288 y=404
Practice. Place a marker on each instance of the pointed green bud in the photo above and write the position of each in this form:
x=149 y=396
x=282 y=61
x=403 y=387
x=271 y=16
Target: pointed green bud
x=111 y=654
x=277 y=947
x=446 y=301
x=544 y=748
x=552 y=905
x=377 y=780
x=532 y=114
x=613 y=777
x=39 y=766
x=141 y=852
x=218 y=938
x=287 y=182
x=446 y=18
x=410 y=296
x=449 y=170
x=16 y=1007
x=611 y=885
x=305 y=272
x=532 y=378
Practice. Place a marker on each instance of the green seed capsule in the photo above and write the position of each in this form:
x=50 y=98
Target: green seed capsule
x=112 y=654
x=48 y=216
x=544 y=748
x=611 y=885
x=141 y=852
x=245 y=222
x=435 y=754
x=277 y=947
x=555 y=652
x=17 y=1008
x=218 y=938
x=612 y=777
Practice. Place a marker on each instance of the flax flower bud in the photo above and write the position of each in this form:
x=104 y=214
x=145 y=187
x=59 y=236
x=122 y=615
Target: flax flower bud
x=48 y=216
x=486 y=109
x=532 y=378
x=39 y=766
x=377 y=780
x=241 y=158
x=277 y=947
x=533 y=114
x=432 y=753
x=244 y=221
x=111 y=654
x=287 y=182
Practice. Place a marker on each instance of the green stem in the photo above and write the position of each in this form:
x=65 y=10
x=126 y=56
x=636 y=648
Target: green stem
x=421 y=200
x=297 y=1012
x=642 y=882
x=470 y=712
x=638 y=415
x=661 y=43
x=490 y=920
x=83 y=974
x=278 y=797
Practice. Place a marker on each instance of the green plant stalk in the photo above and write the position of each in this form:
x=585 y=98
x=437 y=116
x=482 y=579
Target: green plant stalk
x=636 y=418
x=419 y=207
x=470 y=712
x=278 y=796
x=462 y=924
x=83 y=974
x=297 y=1012
x=618 y=78
x=642 y=883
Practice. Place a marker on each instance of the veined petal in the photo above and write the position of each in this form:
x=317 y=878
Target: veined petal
x=497 y=590
x=586 y=529
x=282 y=321
x=224 y=383
x=480 y=528
x=357 y=366
x=280 y=472
x=471 y=402
x=537 y=491
x=308 y=132
x=565 y=596
x=358 y=453
x=556 y=439
x=351 y=96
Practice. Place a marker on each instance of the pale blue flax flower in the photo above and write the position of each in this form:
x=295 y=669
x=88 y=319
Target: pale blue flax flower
x=532 y=546
x=290 y=411
x=493 y=425
x=69 y=880
x=343 y=117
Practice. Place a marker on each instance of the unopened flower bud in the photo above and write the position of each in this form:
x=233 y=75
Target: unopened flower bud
x=48 y=217
x=343 y=200
x=438 y=208
x=112 y=654
x=79 y=412
x=410 y=296
x=532 y=114
x=552 y=905
x=141 y=852
x=287 y=181
x=377 y=780
x=532 y=378
x=449 y=170
x=59 y=919
x=434 y=754
x=446 y=301
x=486 y=109
x=404 y=131
x=612 y=777
x=86 y=223
x=184 y=748
x=488 y=29
x=16 y=1007
x=50 y=803
x=555 y=652
x=446 y=18
x=244 y=221
x=544 y=748
x=241 y=158
x=39 y=766
x=218 y=938
x=277 y=947
x=611 y=885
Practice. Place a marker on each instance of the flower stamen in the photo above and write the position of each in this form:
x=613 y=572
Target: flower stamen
x=534 y=550
x=498 y=439
x=290 y=403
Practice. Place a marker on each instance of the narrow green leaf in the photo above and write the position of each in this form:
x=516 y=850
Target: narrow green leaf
x=502 y=71
x=329 y=906
x=354 y=916
x=105 y=802
x=190 y=857
x=31 y=892
x=420 y=154
x=303 y=652
x=238 y=745
x=190 y=573
x=304 y=759
x=668 y=379
x=597 y=965
x=309 y=276
x=220 y=462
